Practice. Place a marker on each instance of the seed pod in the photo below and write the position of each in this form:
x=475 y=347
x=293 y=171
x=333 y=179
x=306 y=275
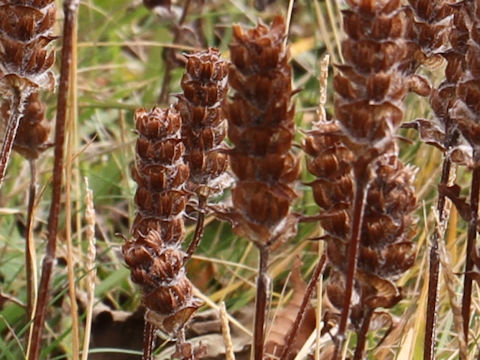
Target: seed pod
x=153 y=254
x=261 y=127
x=204 y=125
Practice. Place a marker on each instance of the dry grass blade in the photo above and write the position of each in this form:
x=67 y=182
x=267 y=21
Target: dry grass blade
x=90 y=267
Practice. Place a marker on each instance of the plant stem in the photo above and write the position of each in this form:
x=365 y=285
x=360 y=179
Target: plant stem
x=30 y=251
x=301 y=311
x=261 y=304
x=434 y=270
x=148 y=340
x=354 y=244
x=16 y=112
x=163 y=97
x=70 y=8
x=197 y=236
x=471 y=237
x=362 y=336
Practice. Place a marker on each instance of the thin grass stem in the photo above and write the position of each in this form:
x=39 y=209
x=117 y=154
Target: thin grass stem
x=30 y=250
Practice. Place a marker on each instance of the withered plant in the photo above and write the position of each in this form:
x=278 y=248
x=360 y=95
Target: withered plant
x=25 y=60
x=204 y=127
x=261 y=128
x=429 y=30
x=463 y=68
x=364 y=189
x=154 y=253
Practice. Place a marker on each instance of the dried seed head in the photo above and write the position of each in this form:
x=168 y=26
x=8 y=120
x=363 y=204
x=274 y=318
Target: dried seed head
x=158 y=268
x=25 y=32
x=204 y=125
x=427 y=32
x=261 y=127
x=153 y=254
x=33 y=130
x=357 y=153
x=370 y=85
x=160 y=173
x=466 y=109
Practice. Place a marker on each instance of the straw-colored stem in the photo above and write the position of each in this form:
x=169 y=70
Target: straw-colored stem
x=30 y=249
x=69 y=163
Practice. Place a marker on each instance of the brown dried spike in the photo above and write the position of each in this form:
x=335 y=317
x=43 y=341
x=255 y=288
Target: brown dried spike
x=25 y=31
x=33 y=130
x=261 y=127
x=204 y=125
x=153 y=253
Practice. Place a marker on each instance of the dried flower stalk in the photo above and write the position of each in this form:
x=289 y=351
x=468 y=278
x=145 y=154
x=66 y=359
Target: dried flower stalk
x=261 y=127
x=465 y=113
x=429 y=28
x=154 y=253
x=204 y=128
x=363 y=188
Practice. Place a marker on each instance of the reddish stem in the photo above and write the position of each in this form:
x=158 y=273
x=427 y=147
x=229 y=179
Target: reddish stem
x=301 y=311
x=261 y=304
x=434 y=269
x=197 y=236
x=353 y=247
x=362 y=336
x=70 y=8
x=471 y=239
x=148 y=340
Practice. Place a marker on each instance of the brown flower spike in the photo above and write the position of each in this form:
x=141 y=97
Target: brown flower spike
x=25 y=60
x=154 y=252
x=204 y=125
x=261 y=127
x=362 y=186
